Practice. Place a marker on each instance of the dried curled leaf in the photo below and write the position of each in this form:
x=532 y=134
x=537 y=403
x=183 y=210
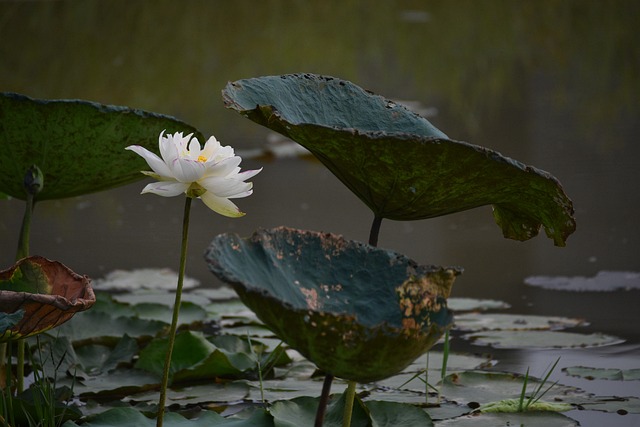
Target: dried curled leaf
x=47 y=291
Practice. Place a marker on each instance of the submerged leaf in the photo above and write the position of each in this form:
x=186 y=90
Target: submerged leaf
x=78 y=145
x=398 y=163
x=356 y=311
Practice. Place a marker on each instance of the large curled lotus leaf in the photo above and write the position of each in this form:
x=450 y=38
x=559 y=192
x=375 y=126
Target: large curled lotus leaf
x=47 y=291
x=78 y=145
x=396 y=161
x=358 y=312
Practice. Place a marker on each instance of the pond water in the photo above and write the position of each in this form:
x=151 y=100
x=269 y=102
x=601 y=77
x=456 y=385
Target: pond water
x=552 y=84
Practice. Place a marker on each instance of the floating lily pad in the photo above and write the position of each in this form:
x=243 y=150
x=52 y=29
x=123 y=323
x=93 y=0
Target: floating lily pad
x=158 y=297
x=114 y=385
x=358 y=312
x=473 y=304
x=78 y=145
x=301 y=411
x=483 y=387
x=196 y=357
x=396 y=161
x=129 y=417
x=612 y=404
x=196 y=394
x=143 y=278
x=47 y=291
x=603 y=374
x=102 y=326
x=604 y=281
x=550 y=419
x=189 y=312
x=412 y=378
x=513 y=322
x=541 y=339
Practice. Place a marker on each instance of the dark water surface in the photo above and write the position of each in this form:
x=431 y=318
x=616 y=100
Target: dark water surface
x=552 y=84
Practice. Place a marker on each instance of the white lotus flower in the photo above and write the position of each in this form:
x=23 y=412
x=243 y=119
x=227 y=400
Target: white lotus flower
x=210 y=173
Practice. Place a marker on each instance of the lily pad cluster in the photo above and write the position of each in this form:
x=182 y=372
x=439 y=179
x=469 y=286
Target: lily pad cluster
x=111 y=365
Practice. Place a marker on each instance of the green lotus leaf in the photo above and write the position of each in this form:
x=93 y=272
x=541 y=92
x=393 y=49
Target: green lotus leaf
x=358 y=312
x=484 y=387
x=78 y=145
x=108 y=329
x=47 y=291
x=544 y=419
x=613 y=374
x=196 y=357
x=522 y=339
x=397 y=162
x=129 y=417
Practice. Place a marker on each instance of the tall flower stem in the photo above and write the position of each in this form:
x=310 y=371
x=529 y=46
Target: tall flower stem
x=328 y=379
x=176 y=312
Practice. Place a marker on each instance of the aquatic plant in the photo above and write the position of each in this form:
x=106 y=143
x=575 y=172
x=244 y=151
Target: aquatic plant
x=211 y=174
x=75 y=146
x=400 y=165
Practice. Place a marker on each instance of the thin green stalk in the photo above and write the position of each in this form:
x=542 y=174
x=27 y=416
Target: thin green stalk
x=259 y=366
x=445 y=360
x=426 y=380
x=348 y=404
x=176 y=312
x=523 y=391
x=536 y=394
x=23 y=252
x=6 y=391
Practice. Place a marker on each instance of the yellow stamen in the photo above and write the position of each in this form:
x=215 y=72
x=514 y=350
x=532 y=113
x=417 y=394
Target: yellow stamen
x=202 y=159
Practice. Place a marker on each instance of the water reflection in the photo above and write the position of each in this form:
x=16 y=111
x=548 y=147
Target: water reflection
x=550 y=83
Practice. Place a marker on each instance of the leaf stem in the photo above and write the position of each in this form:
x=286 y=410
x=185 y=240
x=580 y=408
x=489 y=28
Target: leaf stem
x=375 y=230
x=176 y=312
x=348 y=404
x=324 y=400
x=23 y=252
